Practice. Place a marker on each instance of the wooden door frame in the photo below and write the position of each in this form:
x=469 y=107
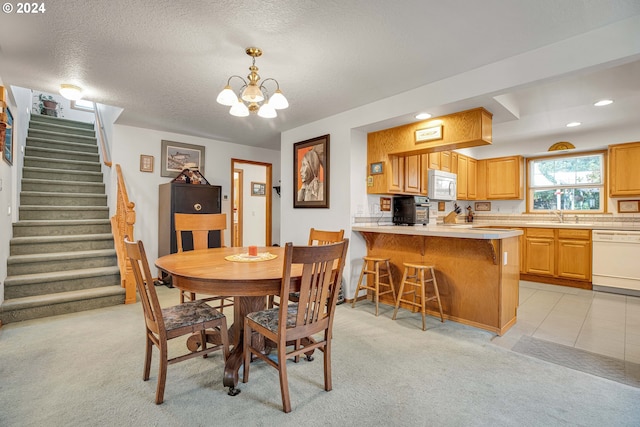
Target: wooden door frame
x=240 y=207
x=268 y=195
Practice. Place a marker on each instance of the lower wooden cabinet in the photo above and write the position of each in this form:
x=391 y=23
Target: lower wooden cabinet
x=557 y=253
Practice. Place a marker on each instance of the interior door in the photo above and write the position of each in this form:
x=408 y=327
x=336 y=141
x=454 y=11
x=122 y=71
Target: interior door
x=254 y=203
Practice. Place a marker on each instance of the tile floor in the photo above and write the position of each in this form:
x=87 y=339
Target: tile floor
x=598 y=322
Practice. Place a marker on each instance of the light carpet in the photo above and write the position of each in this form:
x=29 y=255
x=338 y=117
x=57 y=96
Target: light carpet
x=85 y=369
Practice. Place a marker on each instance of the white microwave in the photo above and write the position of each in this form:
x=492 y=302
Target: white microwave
x=442 y=185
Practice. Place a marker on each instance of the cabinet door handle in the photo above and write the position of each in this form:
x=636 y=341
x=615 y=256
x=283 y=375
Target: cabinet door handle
x=197 y=207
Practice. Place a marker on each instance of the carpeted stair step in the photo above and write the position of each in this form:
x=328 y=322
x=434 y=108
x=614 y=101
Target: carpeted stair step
x=39 y=198
x=61 y=228
x=29 y=285
x=39 y=118
x=19 y=309
x=61 y=174
x=64 y=128
x=65 y=137
x=60 y=261
x=52 y=244
x=61 y=164
x=51 y=153
x=69 y=213
x=48 y=186
x=61 y=145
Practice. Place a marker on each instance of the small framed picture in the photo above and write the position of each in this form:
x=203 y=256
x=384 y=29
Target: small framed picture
x=146 y=163
x=385 y=204
x=375 y=168
x=483 y=206
x=440 y=206
x=258 y=189
x=628 y=206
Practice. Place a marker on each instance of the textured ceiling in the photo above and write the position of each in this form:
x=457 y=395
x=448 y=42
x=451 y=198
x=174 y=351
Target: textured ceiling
x=164 y=62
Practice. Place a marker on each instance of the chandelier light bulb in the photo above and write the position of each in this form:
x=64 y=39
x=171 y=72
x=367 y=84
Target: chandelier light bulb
x=71 y=92
x=227 y=97
x=278 y=101
x=239 y=109
x=252 y=93
x=267 y=111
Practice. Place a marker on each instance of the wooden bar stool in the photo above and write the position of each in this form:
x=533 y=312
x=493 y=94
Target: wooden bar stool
x=418 y=283
x=372 y=266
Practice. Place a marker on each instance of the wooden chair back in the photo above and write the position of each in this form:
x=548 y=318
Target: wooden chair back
x=321 y=266
x=322 y=237
x=146 y=288
x=199 y=225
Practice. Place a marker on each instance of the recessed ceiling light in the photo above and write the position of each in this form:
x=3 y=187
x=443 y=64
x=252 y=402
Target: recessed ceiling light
x=423 y=116
x=603 y=102
x=573 y=124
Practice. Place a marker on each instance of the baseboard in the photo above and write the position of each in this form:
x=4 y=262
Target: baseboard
x=556 y=281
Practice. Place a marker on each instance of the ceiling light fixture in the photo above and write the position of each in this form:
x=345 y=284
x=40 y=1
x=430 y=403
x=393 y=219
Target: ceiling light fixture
x=252 y=98
x=603 y=102
x=573 y=124
x=423 y=116
x=71 y=92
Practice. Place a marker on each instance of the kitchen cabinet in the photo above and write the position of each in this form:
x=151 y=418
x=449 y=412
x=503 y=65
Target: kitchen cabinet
x=434 y=161
x=407 y=175
x=624 y=176
x=412 y=174
x=396 y=175
x=540 y=251
x=445 y=161
x=466 y=182
x=504 y=178
x=574 y=254
x=454 y=162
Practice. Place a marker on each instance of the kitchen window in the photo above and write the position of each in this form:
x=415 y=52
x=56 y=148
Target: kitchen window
x=567 y=183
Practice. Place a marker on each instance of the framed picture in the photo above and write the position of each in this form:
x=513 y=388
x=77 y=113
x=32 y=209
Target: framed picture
x=311 y=173
x=483 y=206
x=146 y=163
x=628 y=206
x=258 y=189
x=177 y=156
x=375 y=168
x=7 y=150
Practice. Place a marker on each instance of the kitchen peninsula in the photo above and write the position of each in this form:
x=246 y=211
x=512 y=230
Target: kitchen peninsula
x=477 y=269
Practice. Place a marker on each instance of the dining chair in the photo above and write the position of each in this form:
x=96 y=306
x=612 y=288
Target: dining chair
x=316 y=237
x=307 y=324
x=164 y=324
x=199 y=226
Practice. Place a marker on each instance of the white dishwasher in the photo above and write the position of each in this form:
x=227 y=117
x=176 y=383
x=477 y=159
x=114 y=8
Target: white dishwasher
x=616 y=261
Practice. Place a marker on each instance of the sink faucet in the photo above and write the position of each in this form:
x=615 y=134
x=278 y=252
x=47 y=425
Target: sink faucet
x=559 y=214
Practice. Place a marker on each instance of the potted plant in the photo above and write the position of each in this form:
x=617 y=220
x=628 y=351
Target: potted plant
x=48 y=106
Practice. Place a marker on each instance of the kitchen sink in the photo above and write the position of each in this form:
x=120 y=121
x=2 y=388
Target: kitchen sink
x=562 y=224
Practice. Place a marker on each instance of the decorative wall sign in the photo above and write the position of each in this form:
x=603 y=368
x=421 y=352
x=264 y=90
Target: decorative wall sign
x=177 y=156
x=258 y=189
x=385 y=204
x=146 y=163
x=628 y=206
x=429 y=134
x=311 y=173
x=483 y=206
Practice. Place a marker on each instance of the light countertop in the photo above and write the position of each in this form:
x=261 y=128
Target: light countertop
x=459 y=231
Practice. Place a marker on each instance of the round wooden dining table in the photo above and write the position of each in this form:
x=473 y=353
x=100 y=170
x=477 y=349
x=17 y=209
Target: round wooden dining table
x=208 y=272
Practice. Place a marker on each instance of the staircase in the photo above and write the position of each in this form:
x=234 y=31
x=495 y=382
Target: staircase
x=62 y=257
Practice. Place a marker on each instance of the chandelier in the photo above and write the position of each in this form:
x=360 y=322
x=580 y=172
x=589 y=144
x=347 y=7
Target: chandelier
x=252 y=98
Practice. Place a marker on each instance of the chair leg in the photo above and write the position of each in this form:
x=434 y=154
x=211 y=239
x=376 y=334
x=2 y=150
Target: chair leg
x=400 y=293
x=423 y=300
x=435 y=287
x=203 y=341
x=284 y=381
x=377 y=284
x=181 y=297
x=327 y=363
x=147 y=358
x=162 y=373
x=355 y=297
x=393 y=289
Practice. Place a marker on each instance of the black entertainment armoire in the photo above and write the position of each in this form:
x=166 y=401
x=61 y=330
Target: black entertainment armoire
x=176 y=197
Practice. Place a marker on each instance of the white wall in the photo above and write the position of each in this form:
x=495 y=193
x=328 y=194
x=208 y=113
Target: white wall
x=130 y=142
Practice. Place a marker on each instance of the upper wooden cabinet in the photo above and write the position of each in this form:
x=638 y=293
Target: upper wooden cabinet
x=504 y=178
x=624 y=176
x=445 y=161
x=412 y=174
x=463 y=174
x=434 y=161
x=396 y=176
